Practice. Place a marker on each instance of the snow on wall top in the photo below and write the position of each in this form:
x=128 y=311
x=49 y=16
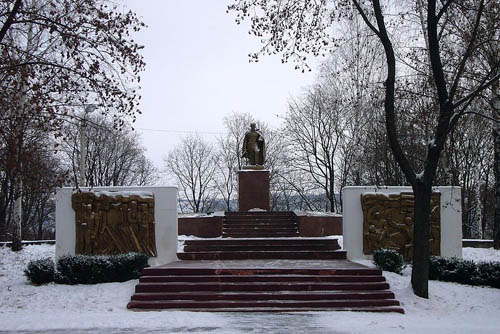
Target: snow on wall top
x=121 y=193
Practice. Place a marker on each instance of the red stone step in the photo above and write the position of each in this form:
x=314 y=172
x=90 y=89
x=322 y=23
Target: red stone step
x=260 y=218
x=260 y=234
x=245 y=255
x=163 y=271
x=237 y=248
x=378 y=309
x=262 y=242
x=261 y=289
x=259 y=222
x=269 y=244
x=281 y=295
x=262 y=278
x=260 y=213
x=183 y=304
x=270 y=229
x=259 y=225
x=258 y=286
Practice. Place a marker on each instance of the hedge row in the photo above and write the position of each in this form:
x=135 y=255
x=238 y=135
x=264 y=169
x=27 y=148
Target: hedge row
x=85 y=269
x=464 y=271
x=445 y=269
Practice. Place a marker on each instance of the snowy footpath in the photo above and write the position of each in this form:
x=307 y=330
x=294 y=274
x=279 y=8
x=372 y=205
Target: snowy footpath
x=101 y=308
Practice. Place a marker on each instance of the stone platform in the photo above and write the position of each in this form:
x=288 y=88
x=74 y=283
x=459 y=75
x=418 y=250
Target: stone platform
x=261 y=265
x=264 y=286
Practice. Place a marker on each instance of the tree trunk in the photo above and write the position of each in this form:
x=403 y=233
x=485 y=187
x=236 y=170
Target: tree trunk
x=496 y=170
x=484 y=208
x=16 y=235
x=495 y=103
x=421 y=223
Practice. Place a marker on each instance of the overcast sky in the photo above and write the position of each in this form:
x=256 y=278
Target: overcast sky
x=197 y=72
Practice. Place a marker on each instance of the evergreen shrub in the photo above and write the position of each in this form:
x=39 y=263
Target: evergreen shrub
x=86 y=269
x=389 y=260
x=40 y=271
x=464 y=271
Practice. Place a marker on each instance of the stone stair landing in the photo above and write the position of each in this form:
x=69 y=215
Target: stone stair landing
x=261 y=248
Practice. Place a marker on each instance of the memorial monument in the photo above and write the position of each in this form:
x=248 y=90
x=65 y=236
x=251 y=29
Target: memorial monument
x=253 y=179
x=254 y=148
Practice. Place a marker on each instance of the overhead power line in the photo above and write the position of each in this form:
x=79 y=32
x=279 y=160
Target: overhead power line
x=182 y=131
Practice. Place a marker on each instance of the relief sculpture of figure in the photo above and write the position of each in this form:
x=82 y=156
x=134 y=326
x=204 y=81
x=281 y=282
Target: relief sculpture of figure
x=254 y=147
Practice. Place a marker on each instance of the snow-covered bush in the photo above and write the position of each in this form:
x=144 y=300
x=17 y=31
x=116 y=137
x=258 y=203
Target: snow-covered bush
x=40 y=271
x=85 y=269
x=389 y=260
x=490 y=273
x=464 y=271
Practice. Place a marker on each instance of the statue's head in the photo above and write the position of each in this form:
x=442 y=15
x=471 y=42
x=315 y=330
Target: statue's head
x=252 y=126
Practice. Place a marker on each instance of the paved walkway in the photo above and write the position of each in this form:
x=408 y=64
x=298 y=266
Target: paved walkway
x=238 y=323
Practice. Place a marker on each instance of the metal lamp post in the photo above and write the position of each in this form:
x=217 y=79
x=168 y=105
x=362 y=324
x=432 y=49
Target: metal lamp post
x=83 y=143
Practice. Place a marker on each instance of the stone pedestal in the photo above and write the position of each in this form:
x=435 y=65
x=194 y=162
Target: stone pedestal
x=253 y=190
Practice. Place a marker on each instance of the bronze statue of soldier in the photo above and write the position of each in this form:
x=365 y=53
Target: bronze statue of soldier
x=254 y=147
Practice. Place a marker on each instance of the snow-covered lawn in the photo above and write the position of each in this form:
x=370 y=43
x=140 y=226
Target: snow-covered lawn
x=452 y=308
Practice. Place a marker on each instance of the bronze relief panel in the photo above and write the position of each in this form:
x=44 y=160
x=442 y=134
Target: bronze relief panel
x=114 y=222
x=388 y=223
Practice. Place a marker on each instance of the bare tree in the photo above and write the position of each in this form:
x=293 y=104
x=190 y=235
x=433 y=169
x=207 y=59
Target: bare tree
x=115 y=157
x=313 y=128
x=47 y=172
x=193 y=165
x=296 y=27
x=33 y=162
x=57 y=55
x=227 y=162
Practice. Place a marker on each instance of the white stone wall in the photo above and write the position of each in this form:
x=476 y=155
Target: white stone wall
x=352 y=220
x=165 y=221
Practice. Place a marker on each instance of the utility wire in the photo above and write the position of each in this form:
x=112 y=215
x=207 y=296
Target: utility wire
x=181 y=131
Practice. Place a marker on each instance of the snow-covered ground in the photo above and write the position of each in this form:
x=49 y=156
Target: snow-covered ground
x=52 y=308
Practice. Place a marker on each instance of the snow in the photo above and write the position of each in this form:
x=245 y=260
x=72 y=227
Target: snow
x=200 y=214
x=318 y=214
x=122 y=193
x=451 y=308
x=181 y=238
x=481 y=254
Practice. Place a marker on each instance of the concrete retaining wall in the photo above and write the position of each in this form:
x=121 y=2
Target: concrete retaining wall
x=309 y=226
x=202 y=227
x=318 y=226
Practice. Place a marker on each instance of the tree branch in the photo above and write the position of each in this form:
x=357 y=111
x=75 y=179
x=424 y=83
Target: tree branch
x=365 y=18
x=468 y=52
x=444 y=9
x=10 y=19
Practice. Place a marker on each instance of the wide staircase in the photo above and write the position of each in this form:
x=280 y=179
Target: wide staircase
x=256 y=268
x=260 y=225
